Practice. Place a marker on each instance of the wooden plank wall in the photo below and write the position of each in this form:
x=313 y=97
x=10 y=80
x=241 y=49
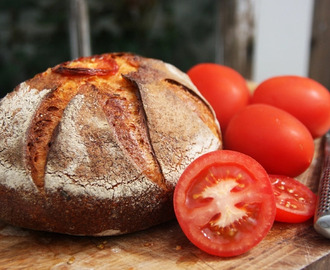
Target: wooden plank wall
x=237 y=38
x=237 y=34
x=320 y=43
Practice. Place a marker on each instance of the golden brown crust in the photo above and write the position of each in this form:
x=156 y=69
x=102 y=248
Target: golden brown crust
x=43 y=124
x=95 y=146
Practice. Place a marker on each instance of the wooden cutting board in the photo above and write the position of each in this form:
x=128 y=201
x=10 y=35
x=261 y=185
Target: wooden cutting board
x=287 y=246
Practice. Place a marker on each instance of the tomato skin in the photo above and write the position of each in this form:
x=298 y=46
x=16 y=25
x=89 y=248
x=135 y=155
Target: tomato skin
x=276 y=139
x=295 y=202
x=306 y=99
x=223 y=87
x=251 y=192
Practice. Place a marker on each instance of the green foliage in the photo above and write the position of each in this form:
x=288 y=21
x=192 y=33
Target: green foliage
x=34 y=33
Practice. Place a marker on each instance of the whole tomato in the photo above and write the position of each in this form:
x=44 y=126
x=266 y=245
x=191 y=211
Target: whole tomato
x=223 y=87
x=275 y=138
x=303 y=97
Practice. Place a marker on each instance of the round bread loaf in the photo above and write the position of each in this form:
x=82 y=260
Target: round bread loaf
x=95 y=146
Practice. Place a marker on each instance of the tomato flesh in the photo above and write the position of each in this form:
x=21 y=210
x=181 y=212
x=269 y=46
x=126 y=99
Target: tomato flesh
x=295 y=202
x=224 y=203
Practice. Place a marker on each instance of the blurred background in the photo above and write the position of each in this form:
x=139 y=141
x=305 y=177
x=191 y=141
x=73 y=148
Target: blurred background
x=258 y=38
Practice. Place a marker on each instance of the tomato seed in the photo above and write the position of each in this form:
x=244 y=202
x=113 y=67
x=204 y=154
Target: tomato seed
x=301 y=199
x=232 y=232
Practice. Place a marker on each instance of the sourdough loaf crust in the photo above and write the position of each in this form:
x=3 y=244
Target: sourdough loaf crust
x=95 y=146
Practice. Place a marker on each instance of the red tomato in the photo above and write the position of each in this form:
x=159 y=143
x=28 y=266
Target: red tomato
x=303 y=97
x=224 y=203
x=275 y=138
x=223 y=87
x=295 y=202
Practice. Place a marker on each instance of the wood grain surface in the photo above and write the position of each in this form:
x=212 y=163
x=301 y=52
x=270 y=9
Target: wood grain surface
x=287 y=246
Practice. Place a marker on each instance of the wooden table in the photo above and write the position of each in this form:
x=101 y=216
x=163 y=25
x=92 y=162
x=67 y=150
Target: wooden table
x=287 y=246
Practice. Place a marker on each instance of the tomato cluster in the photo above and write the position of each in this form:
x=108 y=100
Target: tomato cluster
x=276 y=124
x=226 y=201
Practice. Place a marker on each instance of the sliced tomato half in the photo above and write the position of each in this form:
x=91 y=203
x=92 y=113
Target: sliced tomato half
x=224 y=203
x=295 y=202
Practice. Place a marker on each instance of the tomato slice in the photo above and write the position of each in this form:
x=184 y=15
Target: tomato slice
x=295 y=202
x=98 y=65
x=224 y=203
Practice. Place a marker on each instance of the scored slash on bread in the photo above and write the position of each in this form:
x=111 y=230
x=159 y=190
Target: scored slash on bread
x=123 y=111
x=95 y=146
